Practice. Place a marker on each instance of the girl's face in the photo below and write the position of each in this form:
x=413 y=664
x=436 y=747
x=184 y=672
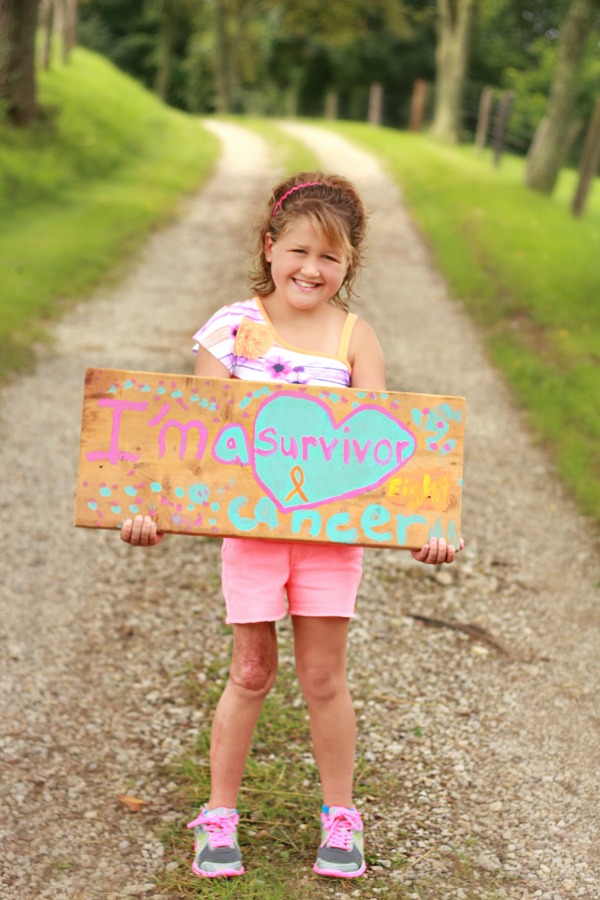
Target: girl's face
x=305 y=268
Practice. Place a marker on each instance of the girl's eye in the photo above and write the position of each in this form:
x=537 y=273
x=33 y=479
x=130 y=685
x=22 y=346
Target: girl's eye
x=331 y=258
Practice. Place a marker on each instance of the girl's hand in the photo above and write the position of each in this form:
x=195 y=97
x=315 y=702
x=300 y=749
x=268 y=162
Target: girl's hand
x=437 y=551
x=140 y=532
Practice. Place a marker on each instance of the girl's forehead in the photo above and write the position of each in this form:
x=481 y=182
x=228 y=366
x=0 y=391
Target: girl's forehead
x=302 y=229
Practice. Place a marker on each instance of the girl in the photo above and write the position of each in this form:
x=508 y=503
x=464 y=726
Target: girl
x=297 y=329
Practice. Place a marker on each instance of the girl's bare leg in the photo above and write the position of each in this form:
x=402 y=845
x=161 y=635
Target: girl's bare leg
x=320 y=645
x=253 y=669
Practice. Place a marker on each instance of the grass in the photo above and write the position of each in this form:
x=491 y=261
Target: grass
x=81 y=189
x=527 y=273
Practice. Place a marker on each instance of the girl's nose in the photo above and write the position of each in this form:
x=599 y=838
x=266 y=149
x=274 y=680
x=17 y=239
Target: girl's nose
x=310 y=266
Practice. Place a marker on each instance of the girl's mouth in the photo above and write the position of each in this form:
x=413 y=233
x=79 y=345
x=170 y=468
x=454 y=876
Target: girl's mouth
x=305 y=285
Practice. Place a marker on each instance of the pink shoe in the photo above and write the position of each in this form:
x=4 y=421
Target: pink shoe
x=217 y=852
x=341 y=852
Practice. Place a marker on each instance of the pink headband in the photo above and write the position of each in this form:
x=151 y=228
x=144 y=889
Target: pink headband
x=292 y=191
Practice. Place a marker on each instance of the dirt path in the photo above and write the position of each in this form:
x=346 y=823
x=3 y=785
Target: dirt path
x=496 y=756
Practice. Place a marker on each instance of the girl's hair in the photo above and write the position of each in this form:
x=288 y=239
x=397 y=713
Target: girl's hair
x=336 y=211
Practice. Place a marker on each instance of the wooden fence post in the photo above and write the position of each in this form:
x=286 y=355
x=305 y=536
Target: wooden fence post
x=375 y=103
x=500 y=124
x=589 y=162
x=331 y=104
x=483 y=118
x=417 y=106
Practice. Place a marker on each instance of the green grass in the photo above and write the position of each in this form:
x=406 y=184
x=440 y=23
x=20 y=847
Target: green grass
x=80 y=190
x=527 y=273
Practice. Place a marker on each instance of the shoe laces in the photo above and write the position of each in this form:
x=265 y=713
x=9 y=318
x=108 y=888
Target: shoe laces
x=339 y=825
x=220 y=827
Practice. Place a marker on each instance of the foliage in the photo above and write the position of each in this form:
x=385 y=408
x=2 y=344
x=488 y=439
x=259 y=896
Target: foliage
x=284 y=57
x=80 y=190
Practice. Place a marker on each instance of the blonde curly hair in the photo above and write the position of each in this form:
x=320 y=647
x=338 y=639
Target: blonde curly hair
x=333 y=206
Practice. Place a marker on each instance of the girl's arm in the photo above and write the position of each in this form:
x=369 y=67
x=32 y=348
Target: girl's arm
x=141 y=531
x=366 y=359
x=208 y=366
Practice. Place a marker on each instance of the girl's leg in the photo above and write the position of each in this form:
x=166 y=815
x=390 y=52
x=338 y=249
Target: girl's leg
x=253 y=670
x=320 y=646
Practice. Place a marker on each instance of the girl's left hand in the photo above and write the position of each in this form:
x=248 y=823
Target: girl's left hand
x=437 y=551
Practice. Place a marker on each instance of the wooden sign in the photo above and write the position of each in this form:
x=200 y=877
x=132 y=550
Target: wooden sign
x=279 y=461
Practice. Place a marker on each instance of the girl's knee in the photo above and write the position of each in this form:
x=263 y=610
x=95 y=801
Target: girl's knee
x=253 y=672
x=320 y=683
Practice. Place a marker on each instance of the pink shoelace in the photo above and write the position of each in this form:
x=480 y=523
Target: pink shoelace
x=219 y=828
x=340 y=824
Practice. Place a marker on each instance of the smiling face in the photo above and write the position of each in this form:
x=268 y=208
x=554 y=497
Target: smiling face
x=306 y=269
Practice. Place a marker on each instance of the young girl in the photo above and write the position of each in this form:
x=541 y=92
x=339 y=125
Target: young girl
x=297 y=329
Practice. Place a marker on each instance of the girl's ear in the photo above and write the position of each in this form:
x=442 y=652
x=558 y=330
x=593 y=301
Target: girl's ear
x=269 y=247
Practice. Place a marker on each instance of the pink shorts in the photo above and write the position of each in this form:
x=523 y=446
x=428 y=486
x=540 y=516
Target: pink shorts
x=319 y=579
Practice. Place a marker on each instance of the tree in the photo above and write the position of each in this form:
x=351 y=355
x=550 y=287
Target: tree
x=454 y=23
x=547 y=152
x=18 y=20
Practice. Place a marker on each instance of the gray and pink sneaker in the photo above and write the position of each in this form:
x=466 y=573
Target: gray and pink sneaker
x=341 y=852
x=216 y=849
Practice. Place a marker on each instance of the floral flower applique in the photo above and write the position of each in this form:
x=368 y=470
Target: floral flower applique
x=278 y=367
x=252 y=339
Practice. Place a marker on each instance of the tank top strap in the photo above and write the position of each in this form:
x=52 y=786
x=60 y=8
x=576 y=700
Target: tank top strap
x=346 y=335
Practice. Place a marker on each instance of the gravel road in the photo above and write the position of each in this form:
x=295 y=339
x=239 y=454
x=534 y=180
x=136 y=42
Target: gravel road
x=495 y=748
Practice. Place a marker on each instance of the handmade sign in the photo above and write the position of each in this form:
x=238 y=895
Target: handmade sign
x=279 y=461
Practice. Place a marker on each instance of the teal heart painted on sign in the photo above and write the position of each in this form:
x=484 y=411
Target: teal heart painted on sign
x=304 y=458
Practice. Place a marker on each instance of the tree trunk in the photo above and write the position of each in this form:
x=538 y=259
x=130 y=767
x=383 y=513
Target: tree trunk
x=546 y=155
x=69 y=28
x=18 y=20
x=222 y=81
x=451 y=57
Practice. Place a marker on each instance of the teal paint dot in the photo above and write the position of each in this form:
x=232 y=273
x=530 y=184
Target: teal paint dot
x=160 y=390
x=134 y=509
x=105 y=491
x=115 y=509
x=176 y=394
x=191 y=507
x=214 y=507
x=244 y=403
x=92 y=504
x=128 y=384
x=213 y=522
x=179 y=492
x=131 y=491
x=334 y=398
x=156 y=487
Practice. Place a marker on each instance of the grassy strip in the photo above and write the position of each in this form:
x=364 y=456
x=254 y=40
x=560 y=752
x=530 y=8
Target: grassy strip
x=82 y=188
x=279 y=805
x=527 y=273
x=289 y=154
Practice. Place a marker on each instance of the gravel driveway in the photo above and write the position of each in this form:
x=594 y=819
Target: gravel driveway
x=495 y=747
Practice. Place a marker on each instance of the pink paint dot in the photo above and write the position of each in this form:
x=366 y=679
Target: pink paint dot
x=433 y=446
x=447 y=447
x=440 y=424
x=426 y=411
x=85 y=483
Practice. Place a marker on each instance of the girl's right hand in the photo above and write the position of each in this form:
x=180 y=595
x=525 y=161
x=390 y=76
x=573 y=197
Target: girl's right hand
x=140 y=532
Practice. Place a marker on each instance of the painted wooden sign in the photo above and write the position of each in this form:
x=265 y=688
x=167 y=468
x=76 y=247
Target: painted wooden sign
x=278 y=461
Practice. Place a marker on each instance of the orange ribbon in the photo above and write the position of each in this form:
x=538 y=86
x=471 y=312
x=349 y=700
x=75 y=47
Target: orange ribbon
x=297 y=476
